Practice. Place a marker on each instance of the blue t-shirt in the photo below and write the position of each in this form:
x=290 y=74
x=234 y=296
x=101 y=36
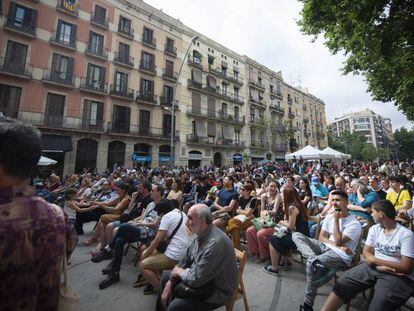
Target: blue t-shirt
x=225 y=196
x=319 y=191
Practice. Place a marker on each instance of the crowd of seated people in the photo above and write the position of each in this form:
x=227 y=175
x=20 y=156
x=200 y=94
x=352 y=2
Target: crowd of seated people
x=315 y=208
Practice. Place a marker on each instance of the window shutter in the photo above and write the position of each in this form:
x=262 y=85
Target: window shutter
x=100 y=113
x=102 y=77
x=86 y=113
x=12 y=10
x=127 y=115
x=33 y=19
x=71 y=65
x=73 y=34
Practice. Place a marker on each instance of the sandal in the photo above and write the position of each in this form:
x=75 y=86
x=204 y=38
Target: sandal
x=90 y=241
x=141 y=281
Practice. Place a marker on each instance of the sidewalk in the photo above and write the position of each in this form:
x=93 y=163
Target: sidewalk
x=264 y=292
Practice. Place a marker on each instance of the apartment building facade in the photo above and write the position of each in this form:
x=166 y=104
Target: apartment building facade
x=376 y=129
x=98 y=80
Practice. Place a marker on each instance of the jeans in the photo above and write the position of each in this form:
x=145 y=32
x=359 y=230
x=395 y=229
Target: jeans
x=126 y=233
x=180 y=304
x=320 y=265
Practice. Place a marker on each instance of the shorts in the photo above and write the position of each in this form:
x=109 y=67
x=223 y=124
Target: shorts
x=158 y=262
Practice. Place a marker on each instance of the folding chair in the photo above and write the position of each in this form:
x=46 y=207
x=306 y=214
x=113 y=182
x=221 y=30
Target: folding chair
x=240 y=291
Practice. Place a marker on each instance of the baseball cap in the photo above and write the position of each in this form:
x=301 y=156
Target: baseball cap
x=315 y=180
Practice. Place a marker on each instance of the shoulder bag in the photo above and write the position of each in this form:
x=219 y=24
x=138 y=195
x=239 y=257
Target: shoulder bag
x=164 y=244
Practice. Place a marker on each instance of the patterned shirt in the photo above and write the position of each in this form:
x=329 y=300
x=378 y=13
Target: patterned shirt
x=32 y=237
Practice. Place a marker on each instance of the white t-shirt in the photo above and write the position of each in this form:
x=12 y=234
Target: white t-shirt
x=70 y=212
x=179 y=243
x=348 y=226
x=393 y=246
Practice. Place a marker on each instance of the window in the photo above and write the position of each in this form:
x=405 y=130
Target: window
x=95 y=77
x=147 y=88
x=168 y=94
x=121 y=82
x=10 y=100
x=122 y=117
x=236 y=93
x=55 y=106
x=147 y=35
x=224 y=88
x=169 y=45
x=169 y=68
x=125 y=26
x=15 y=60
x=22 y=18
x=100 y=15
x=144 y=121
x=62 y=67
x=237 y=136
x=123 y=53
x=210 y=60
x=92 y=114
x=166 y=125
x=66 y=33
x=147 y=60
x=96 y=42
x=236 y=112
x=224 y=109
x=224 y=70
x=235 y=74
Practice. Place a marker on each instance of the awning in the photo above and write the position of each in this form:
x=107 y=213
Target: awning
x=235 y=68
x=197 y=76
x=254 y=94
x=56 y=143
x=201 y=128
x=223 y=64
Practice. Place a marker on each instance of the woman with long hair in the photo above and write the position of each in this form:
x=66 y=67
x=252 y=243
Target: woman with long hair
x=271 y=205
x=295 y=220
x=305 y=193
x=176 y=192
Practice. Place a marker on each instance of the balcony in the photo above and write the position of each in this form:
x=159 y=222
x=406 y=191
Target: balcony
x=305 y=120
x=291 y=115
x=99 y=21
x=67 y=8
x=194 y=139
x=120 y=128
x=146 y=98
x=96 y=51
x=170 y=50
x=216 y=115
x=63 y=40
x=23 y=70
x=23 y=27
x=124 y=60
x=58 y=78
x=121 y=92
x=169 y=74
x=194 y=84
x=277 y=95
x=278 y=128
x=147 y=68
x=167 y=102
x=277 y=109
x=279 y=147
x=289 y=100
x=222 y=74
x=257 y=85
x=42 y=120
x=126 y=32
x=93 y=86
x=194 y=62
x=259 y=102
x=258 y=144
x=293 y=144
x=149 y=41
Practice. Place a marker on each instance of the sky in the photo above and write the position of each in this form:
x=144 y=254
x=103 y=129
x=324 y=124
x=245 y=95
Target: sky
x=266 y=31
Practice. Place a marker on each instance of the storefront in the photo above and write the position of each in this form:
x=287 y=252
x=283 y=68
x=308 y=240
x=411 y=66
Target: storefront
x=194 y=159
x=55 y=147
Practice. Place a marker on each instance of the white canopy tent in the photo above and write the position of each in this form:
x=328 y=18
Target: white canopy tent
x=307 y=153
x=334 y=154
x=43 y=161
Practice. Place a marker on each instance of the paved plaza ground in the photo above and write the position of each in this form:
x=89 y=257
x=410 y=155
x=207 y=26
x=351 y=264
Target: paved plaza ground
x=264 y=292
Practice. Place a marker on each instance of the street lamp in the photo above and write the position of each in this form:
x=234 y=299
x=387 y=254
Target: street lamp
x=193 y=39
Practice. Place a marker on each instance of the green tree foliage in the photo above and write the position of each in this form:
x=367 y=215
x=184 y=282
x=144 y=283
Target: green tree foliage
x=377 y=37
x=354 y=144
x=368 y=153
x=405 y=141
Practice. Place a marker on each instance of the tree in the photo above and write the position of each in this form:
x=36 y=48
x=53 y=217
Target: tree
x=369 y=153
x=352 y=144
x=404 y=140
x=378 y=39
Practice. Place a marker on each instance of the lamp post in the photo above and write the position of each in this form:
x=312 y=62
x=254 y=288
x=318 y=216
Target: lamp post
x=193 y=39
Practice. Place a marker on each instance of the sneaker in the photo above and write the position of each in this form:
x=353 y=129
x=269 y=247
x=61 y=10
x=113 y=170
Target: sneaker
x=112 y=278
x=141 y=281
x=103 y=254
x=305 y=307
x=108 y=269
x=149 y=290
x=268 y=269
